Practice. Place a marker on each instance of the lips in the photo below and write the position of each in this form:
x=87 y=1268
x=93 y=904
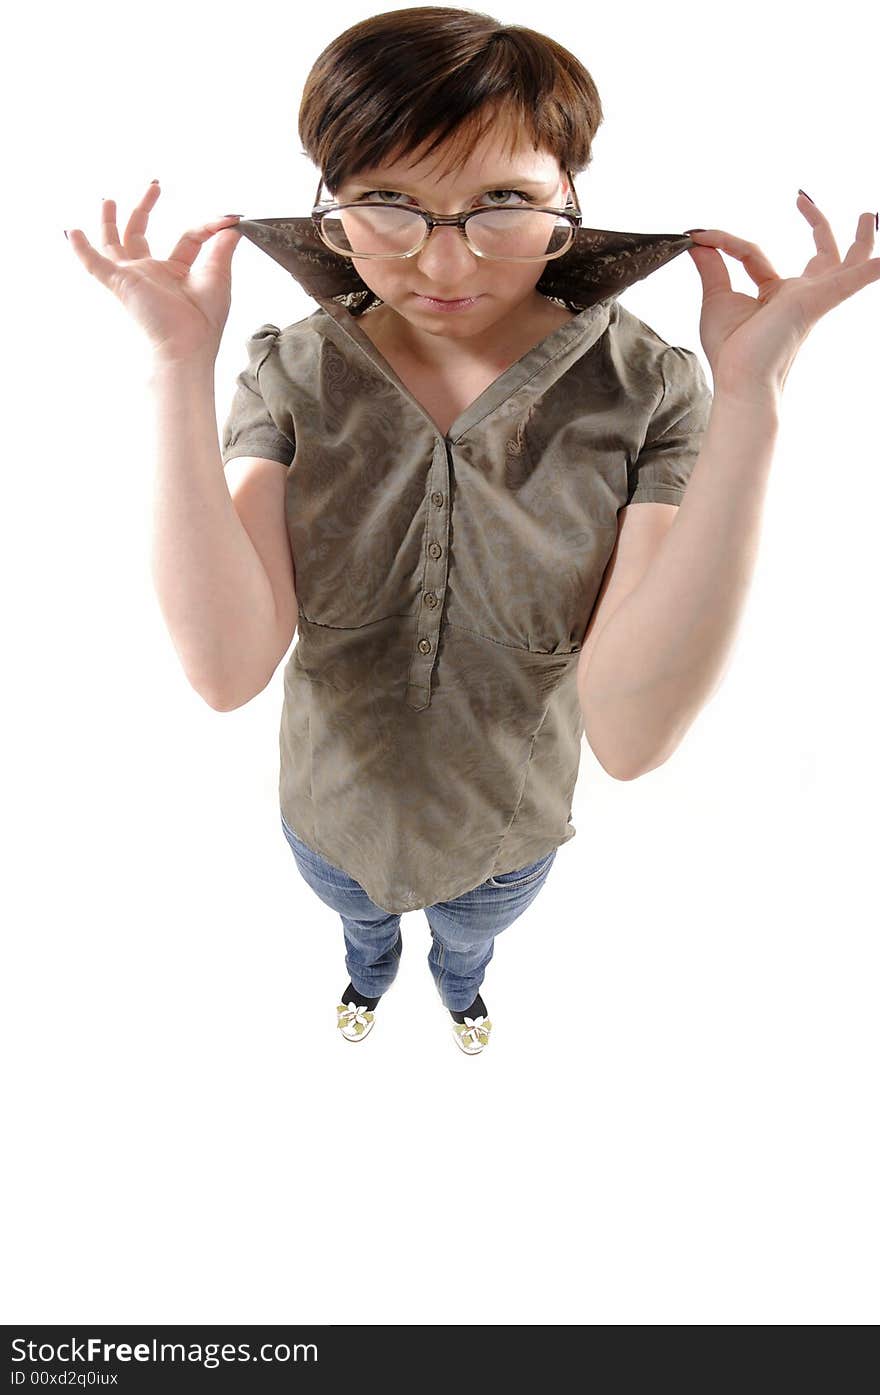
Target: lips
x=434 y=303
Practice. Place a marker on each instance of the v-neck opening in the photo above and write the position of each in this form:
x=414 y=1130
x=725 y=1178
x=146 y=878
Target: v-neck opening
x=595 y=317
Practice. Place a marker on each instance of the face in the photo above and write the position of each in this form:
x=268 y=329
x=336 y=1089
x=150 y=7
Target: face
x=493 y=176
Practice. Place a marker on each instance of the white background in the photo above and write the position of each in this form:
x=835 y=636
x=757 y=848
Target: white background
x=676 y=1120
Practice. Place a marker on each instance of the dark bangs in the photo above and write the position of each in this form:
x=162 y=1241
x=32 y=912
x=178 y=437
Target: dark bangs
x=408 y=79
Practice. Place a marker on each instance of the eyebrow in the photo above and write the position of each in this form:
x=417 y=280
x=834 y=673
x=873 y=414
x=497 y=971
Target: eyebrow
x=507 y=182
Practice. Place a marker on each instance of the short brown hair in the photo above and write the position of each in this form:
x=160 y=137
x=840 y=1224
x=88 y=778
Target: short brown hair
x=396 y=80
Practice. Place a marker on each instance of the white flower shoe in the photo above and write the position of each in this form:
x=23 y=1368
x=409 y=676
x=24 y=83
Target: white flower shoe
x=355 y=1014
x=354 y=1021
x=471 y=1028
x=472 y=1035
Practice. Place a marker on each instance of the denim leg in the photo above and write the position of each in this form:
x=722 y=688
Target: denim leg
x=372 y=968
x=373 y=942
x=458 y=972
x=463 y=930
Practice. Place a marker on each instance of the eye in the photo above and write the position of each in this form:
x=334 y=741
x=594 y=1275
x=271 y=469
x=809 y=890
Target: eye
x=517 y=192
x=377 y=195
x=374 y=194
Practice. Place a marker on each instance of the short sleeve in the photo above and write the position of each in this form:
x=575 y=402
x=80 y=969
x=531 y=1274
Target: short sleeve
x=663 y=467
x=250 y=428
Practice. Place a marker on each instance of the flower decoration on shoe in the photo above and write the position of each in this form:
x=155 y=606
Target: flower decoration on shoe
x=353 y=1019
x=473 y=1033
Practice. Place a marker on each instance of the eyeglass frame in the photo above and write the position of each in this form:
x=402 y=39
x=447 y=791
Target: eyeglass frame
x=432 y=220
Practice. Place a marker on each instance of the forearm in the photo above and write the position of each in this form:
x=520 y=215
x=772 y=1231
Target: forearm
x=663 y=651
x=212 y=587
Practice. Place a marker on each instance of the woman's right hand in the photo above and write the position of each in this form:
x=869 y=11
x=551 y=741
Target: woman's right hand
x=183 y=313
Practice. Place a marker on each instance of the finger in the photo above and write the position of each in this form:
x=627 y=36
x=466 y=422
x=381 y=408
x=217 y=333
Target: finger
x=107 y=270
x=186 y=249
x=861 y=249
x=215 y=269
x=757 y=264
x=135 y=240
x=109 y=231
x=840 y=285
x=102 y=268
x=713 y=273
x=826 y=245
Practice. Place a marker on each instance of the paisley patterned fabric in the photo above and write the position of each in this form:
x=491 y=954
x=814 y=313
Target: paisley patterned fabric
x=599 y=263
x=431 y=728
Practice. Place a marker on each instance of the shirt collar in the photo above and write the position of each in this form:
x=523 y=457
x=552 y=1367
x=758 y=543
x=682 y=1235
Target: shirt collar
x=598 y=266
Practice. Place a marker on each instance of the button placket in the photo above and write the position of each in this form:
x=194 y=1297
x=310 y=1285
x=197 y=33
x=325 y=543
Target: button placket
x=434 y=576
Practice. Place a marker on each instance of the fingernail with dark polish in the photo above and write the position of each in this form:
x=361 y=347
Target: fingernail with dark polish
x=806 y=195
x=65 y=234
x=876 y=222
x=693 y=230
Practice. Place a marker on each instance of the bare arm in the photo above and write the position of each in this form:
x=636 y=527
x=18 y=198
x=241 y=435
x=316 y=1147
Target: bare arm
x=213 y=589
x=641 y=529
x=663 y=652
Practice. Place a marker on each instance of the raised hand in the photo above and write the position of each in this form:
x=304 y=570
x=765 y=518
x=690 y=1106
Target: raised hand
x=182 y=311
x=751 y=343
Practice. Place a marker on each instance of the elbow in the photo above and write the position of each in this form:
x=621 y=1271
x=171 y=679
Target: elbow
x=637 y=773
x=616 y=772
x=620 y=771
x=231 y=704
x=228 y=699
x=217 y=706
x=627 y=764
x=227 y=702
x=217 y=703
x=628 y=774
x=611 y=767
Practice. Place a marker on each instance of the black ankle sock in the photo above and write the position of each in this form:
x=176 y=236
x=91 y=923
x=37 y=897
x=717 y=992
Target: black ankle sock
x=476 y=1009
x=351 y=995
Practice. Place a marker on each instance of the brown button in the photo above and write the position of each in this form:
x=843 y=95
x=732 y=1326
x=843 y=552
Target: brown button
x=437 y=499
x=435 y=550
x=430 y=599
x=425 y=646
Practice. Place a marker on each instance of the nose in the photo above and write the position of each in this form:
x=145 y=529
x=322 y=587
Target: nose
x=446 y=256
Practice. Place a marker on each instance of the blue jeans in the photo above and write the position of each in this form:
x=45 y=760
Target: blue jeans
x=462 y=931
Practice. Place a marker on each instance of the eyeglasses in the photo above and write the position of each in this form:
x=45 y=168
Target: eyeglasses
x=522 y=233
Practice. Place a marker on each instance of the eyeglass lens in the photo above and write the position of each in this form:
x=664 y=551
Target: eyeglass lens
x=497 y=232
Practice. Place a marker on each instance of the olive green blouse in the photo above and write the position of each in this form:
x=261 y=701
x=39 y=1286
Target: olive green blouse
x=431 y=729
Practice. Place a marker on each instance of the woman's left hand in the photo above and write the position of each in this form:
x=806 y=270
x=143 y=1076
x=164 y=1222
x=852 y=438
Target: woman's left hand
x=752 y=343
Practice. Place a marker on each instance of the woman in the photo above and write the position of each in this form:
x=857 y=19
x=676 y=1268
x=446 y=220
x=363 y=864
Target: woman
x=457 y=472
